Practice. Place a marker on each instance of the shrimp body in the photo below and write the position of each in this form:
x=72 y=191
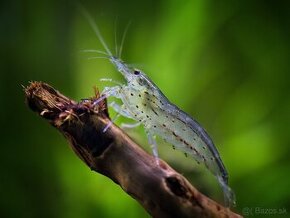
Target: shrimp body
x=148 y=105
x=144 y=102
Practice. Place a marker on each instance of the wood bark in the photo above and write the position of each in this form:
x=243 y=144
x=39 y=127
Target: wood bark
x=158 y=188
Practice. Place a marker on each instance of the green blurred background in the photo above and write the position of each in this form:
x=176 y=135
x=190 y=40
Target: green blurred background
x=225 y=63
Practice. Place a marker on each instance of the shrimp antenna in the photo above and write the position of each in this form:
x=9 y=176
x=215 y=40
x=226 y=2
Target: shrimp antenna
x=96 y=29
x=116 y=44
x=123 y=39
x=93 y=51
x=98 y=57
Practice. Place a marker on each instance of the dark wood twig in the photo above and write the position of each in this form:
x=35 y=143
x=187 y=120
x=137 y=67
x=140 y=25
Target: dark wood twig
x=159 y=189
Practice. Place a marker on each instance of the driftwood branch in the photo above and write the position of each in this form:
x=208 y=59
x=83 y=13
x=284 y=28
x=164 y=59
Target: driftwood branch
x=159 y=189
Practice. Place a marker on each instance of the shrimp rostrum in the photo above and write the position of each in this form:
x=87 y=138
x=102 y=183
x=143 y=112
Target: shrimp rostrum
x=143 y=102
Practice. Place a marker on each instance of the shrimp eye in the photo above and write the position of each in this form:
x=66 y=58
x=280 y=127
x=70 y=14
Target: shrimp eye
x=136 y=72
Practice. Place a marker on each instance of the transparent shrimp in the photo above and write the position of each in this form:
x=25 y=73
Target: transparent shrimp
x=144 y=102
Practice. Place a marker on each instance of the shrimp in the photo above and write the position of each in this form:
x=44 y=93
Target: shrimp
x=144 y=102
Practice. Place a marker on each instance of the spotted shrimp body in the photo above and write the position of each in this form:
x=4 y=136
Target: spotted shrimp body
x=144 y=102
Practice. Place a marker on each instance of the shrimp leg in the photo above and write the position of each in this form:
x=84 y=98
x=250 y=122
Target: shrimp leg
x=121 y=110
x=110 y=80
x=108 y=91
x=130 y=125
x=111 y=122
x=125 y=113
x=153 y=145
